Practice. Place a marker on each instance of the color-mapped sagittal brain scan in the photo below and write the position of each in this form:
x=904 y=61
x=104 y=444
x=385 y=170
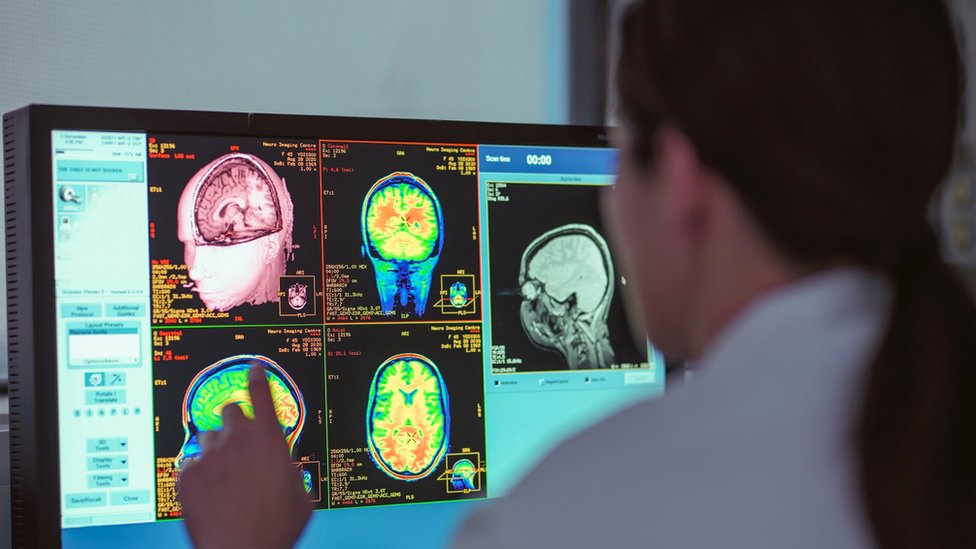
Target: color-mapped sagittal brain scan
x=408 y=417
x=566 y=281
x=463 y=475
x=403 y=234
x=235 y=220
x=225 y=383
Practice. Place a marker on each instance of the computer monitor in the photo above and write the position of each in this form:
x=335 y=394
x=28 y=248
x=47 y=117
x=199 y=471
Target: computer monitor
x=435 y=304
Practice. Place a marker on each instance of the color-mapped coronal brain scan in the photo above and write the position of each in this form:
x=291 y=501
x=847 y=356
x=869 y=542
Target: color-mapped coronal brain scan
x=408 y=417
x=225 y=383
x=400 y=224
x=403 y=233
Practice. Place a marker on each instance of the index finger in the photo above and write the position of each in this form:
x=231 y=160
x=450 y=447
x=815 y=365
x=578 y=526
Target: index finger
x=264 y=410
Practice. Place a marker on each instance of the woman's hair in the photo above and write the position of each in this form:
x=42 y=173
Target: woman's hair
x=834 y=121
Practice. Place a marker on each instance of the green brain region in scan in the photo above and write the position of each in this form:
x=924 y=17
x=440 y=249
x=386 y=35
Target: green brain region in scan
x=225 y=383
x=408 y=419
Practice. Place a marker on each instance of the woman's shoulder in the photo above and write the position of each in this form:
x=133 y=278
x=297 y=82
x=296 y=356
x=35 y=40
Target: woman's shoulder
x=752 y=451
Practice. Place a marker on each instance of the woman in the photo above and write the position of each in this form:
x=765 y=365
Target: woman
x=777 y=160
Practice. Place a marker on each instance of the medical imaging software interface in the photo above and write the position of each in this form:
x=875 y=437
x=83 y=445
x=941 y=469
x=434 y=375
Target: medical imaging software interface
x=431 y=317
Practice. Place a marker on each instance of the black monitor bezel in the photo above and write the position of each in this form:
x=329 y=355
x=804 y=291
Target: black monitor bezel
x=32 y=354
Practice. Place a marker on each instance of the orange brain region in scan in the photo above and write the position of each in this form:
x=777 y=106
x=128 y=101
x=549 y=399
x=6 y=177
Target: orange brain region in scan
x=408 y=419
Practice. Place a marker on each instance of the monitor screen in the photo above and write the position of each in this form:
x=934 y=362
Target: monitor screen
x=433 y=315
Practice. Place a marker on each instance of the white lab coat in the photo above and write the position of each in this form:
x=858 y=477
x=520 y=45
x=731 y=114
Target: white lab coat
x=754 y=452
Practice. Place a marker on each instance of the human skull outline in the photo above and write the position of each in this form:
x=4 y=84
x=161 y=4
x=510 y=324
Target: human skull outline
x=202 y=412
x=404 y=262
x=566 y=281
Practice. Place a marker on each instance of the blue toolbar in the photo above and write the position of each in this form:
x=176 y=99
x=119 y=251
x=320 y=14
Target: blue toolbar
x=561 y=160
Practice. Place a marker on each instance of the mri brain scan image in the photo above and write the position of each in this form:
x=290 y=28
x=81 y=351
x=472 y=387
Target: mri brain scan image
x=407 y=417
x=463 y=475
x=225 y=382
x=297 y=296
x=566 y=282
x=403 y=234
x=459 y=295
x=235 y=220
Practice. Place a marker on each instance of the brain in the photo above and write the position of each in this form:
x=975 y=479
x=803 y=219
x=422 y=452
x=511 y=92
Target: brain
x=570 y=264
x=462 y=474
x=401 y=218
x=226 y=383
x=236 y=202
x=459 y=294
x=464 y=468
x=408 y=421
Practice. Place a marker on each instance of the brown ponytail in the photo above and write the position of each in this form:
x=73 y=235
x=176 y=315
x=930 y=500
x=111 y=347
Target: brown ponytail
x=834 y=121
x=916 y=436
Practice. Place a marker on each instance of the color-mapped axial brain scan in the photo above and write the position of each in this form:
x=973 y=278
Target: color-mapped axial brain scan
x=224 y=383
x=459 y=295
x=235 y=220
x=403 y=233
x=566 y=280
x=408 y=418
